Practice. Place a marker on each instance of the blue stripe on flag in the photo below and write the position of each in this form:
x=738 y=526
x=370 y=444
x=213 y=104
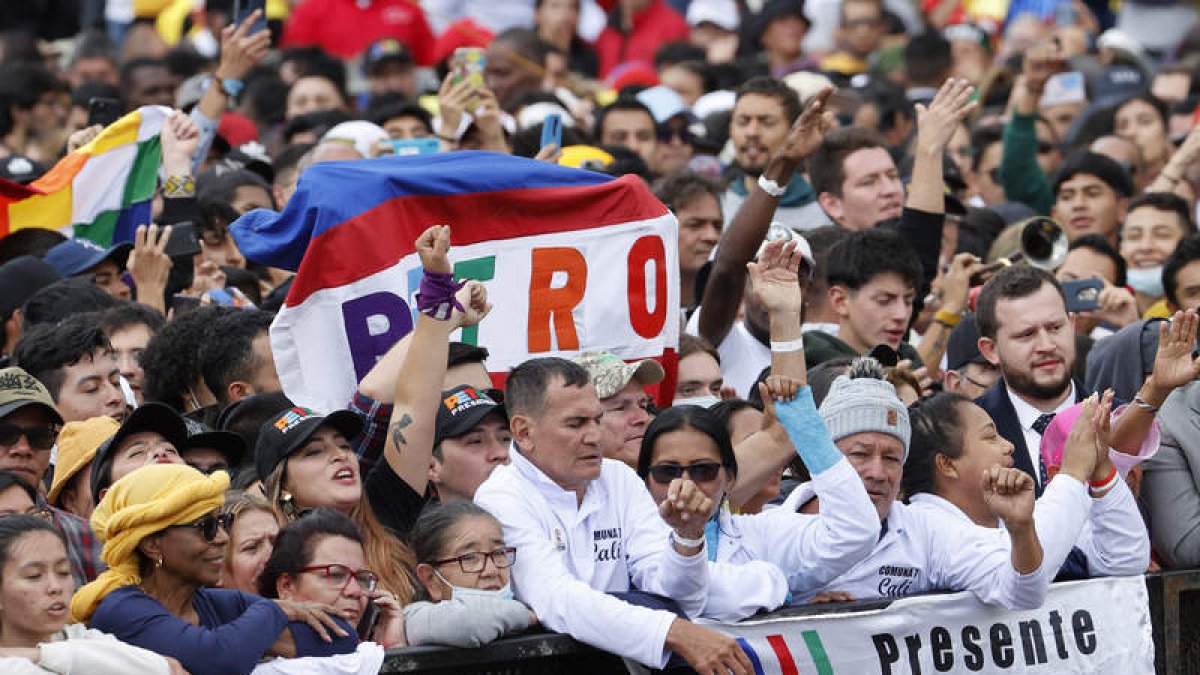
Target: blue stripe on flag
x=331 y=193
x=753 y=656
x=135 y=214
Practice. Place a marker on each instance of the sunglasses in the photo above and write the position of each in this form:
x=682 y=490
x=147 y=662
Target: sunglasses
x=209 y=524
x=340 y=576
x=40 y=438
x=475 y=561
x=665 y=134
x=701 y=472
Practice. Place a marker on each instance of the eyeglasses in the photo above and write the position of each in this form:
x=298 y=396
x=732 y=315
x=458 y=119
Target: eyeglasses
x=701 y=472
x=475 y=561
x=665 y=134
x=208 y=525
x=40 y=438
x=340 y=576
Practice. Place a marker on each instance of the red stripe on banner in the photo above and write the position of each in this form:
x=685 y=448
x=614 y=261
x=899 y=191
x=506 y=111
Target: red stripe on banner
x=377 y=239
x=787 y=665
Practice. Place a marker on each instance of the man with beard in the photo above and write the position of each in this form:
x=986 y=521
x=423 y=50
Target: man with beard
x=763 y=115
x=1026 y=332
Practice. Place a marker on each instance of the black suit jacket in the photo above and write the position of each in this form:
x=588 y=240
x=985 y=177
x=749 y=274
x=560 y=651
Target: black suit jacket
x=996 y=403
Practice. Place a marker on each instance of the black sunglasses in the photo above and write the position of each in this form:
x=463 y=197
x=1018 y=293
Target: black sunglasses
x=665 y=134
x=208 y=525
x=40 y=438
x=701 y=472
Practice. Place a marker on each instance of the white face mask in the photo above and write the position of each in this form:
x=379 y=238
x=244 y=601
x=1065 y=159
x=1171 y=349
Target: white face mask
x=502 y=593
x=1146 y=280
x=702 y=401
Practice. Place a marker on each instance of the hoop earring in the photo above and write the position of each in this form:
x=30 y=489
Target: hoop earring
x=159 y=562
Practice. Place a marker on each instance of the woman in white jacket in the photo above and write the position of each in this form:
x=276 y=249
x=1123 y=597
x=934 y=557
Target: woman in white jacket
x=35 y=595
x=811 y=550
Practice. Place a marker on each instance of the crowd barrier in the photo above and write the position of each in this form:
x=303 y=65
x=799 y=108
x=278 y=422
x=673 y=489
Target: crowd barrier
x=1171 y=599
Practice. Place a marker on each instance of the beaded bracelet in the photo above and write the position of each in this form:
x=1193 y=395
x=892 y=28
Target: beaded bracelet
x=179 y=185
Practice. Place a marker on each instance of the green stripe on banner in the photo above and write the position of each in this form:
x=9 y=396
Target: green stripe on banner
x=812 y=640
x=99 y=230
x=143 y=176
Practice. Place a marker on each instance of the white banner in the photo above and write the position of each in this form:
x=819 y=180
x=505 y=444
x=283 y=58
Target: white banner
x=1096 y=626
x=613 y=288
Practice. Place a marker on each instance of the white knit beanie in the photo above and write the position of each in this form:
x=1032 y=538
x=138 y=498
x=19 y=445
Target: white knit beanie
x=861 y=400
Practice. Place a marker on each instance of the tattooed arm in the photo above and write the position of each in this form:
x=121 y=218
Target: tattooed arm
x=409 y=444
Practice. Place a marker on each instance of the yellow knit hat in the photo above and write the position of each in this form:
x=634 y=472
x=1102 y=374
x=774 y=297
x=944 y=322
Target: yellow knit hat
x=143 y=503
x=77 y=445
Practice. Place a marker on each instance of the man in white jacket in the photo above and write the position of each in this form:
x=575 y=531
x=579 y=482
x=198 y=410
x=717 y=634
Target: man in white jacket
x=921 y=551
x=585 y=527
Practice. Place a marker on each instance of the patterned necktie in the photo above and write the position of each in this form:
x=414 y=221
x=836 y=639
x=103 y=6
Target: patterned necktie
x=1039 y=425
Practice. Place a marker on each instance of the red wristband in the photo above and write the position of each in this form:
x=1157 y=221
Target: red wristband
x=1103 y=483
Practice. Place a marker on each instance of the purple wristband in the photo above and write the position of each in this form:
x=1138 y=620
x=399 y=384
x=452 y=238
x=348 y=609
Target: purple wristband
x=435 y=298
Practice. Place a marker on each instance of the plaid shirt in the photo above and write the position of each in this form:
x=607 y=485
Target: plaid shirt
x=83 y=546
x=375 y=416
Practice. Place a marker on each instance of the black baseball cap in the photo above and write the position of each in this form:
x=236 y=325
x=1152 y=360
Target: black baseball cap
x=20 y=278
x=230 y=445
x=157 y=417
x=461 y=409
x=288 y=431
x=963 y=346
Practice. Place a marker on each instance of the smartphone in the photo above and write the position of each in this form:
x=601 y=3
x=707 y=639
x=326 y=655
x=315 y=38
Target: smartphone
x=552 y=130
x=242 y=9
x=1083 y=295
x=103 y=111
x=467 y=64
x=184 y=241
x=181 y=303
x=885 y=355
x=368 y=621
x=405 y=147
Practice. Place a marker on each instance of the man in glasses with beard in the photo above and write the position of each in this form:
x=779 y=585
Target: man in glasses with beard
x=1026 y=332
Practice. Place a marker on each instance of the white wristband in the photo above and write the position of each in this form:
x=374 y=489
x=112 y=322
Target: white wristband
x=789 y=346
x=685 y=542
x=771 y=187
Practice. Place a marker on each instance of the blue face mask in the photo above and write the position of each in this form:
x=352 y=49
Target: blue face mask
x=502 y=593
x=1146 y=280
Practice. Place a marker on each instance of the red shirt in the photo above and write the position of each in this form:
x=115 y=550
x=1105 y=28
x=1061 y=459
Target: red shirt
x=653 y=27
x=344 y=29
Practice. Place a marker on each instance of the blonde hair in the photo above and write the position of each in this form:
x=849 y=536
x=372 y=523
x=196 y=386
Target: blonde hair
x=386 y=554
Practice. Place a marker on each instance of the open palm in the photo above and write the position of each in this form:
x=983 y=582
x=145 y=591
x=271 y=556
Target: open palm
x=1174 y=365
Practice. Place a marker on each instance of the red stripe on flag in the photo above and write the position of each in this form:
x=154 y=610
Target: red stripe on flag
x=378 y=238
x=787 y=665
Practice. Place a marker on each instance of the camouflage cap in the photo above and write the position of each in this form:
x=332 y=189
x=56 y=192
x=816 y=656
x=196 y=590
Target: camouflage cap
x=610 y=374
x=19 y=389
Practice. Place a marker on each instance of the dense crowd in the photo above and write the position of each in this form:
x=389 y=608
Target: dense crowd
x=939 y=277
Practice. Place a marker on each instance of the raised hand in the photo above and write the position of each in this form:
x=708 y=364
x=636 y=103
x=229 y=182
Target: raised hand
x=179 y=137
x=1079 y=452
x=809 y=129
x=240 y=51
x=956 y=282
x=775 y=279
x=781 y=388
x=686 y=508
x=1009 y=494
x=82 y=137
x=149 y=265
x=1174 y=365
x=1039 y=65
x=474 y=299
x=433 y=247
x=1102 y=423
x=1116 y=306
x=938 y=122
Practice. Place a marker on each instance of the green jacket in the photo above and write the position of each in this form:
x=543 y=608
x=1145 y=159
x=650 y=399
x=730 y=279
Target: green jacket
x=1020 y=174
x=820 y=347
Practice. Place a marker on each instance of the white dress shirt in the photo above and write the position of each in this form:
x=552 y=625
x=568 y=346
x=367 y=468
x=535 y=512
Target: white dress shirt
x=1026 y=416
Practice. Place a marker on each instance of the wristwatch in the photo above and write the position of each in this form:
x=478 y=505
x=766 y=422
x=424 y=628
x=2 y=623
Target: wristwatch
x=771 y=187
x=232 y=86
